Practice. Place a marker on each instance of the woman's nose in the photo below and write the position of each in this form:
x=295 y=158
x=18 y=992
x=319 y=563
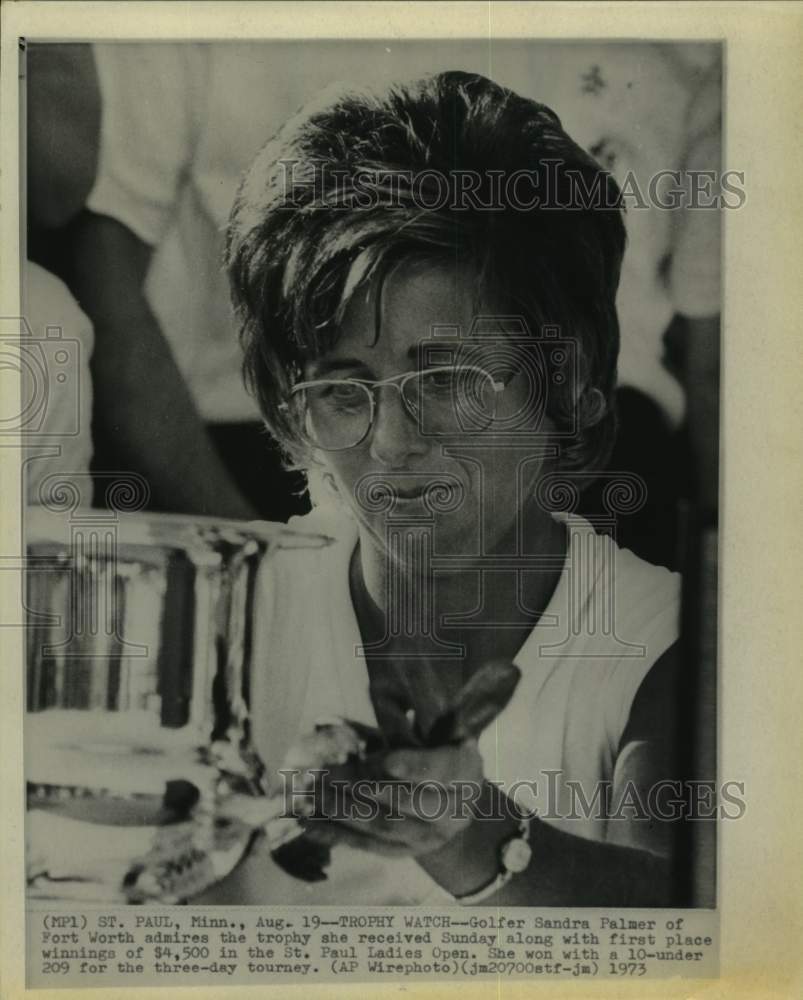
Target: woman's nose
x=395 y=433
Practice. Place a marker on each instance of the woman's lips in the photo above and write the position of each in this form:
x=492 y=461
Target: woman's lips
x=440 y=492
x=437 y=488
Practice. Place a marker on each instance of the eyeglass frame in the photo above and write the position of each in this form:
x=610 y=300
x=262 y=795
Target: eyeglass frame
x=397 y=382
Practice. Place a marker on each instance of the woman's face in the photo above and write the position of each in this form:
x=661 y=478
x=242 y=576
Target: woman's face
x=486 y=480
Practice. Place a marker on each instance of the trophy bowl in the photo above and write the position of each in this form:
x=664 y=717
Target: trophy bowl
x=142 y=784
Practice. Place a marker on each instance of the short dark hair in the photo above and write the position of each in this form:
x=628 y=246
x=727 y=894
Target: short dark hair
x=293 y=251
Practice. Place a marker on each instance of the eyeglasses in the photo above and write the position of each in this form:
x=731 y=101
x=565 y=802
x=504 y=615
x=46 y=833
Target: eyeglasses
x=337 y=414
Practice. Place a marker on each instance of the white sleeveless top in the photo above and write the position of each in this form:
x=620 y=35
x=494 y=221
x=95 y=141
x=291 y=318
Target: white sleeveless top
x=610 y=618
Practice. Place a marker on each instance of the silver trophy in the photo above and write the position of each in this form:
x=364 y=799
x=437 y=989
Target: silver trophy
x=142 y=783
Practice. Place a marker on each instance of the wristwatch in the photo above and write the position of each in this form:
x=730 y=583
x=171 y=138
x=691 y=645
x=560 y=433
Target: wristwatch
x=515 y=855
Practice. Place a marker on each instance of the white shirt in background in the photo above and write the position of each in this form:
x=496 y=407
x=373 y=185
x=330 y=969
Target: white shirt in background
x=56 y=386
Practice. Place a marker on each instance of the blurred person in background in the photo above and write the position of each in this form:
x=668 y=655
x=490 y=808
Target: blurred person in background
x=144 y=417
x=56 y=390
x=62 y=127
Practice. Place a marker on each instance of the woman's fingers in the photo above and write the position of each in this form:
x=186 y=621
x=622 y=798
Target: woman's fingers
x=328 y=832
x=396 y=824
x=460 y=762
x=417 y=810
x=429 y=800
x=365 y=813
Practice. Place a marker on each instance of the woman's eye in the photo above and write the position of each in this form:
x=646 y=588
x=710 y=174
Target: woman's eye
x=439 y=381
x=343 y=392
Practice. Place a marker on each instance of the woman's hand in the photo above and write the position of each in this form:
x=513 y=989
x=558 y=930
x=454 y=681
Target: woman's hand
x=410 y=803
x=435 y=805
x=424 y=805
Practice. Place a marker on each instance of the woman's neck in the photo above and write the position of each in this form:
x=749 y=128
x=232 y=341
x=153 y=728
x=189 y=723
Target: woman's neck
x=492 y=599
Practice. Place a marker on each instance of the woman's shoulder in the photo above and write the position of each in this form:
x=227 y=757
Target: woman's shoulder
x=600 y=574
x=643 y=584
x=647 y=611
x=618 y=615
x=311 y=552
x=324 y=537
x=324 y=519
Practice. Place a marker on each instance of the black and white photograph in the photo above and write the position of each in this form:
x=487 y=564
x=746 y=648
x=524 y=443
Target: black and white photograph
x=370 y=481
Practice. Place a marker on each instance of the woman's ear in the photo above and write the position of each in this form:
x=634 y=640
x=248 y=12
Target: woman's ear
x=591 y=408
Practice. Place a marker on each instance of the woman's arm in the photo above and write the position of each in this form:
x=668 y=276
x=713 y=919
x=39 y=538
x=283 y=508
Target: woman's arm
x=638 y=864
x=142 y=402
x=648 y=842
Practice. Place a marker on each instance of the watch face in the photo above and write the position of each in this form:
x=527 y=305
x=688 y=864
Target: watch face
x=516 y=855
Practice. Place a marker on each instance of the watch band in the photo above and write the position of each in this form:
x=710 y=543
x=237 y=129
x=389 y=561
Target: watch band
x=515 y=855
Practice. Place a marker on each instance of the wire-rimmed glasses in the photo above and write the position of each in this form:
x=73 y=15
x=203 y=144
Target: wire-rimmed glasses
x=337 y=414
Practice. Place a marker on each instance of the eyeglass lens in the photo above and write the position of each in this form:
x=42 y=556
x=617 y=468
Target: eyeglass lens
x=339 y=413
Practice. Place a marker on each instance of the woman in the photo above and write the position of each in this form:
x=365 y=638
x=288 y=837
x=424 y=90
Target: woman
x=425 y=282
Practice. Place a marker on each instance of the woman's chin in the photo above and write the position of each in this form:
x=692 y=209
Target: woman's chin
x=442 y=537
